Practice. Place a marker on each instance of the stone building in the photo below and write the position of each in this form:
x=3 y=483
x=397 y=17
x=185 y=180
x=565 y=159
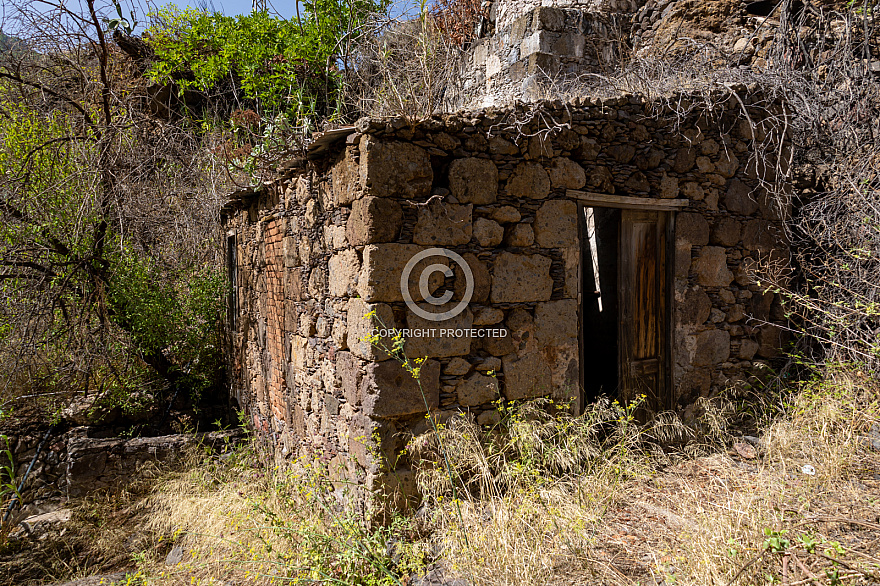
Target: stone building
x=575 y=249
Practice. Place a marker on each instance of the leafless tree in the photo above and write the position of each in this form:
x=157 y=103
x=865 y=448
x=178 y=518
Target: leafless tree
x=108 y=190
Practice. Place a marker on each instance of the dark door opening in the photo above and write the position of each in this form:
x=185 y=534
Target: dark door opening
x=600 y=229
x=625 y=310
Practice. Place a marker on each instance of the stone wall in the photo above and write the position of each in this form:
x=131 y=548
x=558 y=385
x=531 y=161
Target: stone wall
x=541 y=45
x=494 y=187
x=504 y=12
x=72 y=464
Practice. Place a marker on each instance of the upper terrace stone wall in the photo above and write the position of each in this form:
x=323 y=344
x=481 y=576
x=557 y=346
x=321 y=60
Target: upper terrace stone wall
x=527 y=54
x=504 y=12
x=321 y=248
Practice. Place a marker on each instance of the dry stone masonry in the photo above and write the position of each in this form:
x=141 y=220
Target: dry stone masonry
x=531 y=46
x=323 y=247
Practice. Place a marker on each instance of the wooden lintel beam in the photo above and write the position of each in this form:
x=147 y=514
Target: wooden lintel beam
x=623 y=202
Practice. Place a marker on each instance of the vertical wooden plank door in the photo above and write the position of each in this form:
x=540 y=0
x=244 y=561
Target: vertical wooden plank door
x=642 y=350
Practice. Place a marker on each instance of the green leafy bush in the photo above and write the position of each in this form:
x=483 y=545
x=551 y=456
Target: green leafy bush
x=276 y=65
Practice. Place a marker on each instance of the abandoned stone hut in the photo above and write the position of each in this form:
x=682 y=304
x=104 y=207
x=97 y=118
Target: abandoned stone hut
x=558 y=250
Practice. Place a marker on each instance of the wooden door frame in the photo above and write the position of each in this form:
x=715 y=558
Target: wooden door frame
x=670 y=206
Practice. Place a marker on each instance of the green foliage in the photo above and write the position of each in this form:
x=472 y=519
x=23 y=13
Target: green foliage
x=121 y=22
x=171 y=312
x=280 y=66
x=8 y=489
x=775 y=541
x=105 y=322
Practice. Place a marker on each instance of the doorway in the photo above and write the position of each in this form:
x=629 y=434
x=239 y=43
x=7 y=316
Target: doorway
x=625 y=306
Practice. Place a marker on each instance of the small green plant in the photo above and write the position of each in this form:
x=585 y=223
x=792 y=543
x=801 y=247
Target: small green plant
x=775 y=541
x=120 y=22
x=808 y=541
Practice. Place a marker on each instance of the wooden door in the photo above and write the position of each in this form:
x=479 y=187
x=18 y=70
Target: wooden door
x=642 y=289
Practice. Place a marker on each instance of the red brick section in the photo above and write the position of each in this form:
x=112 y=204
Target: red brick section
x=275 y=317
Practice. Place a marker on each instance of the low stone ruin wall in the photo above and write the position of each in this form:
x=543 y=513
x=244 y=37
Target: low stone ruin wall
x=73 y=464
x=320 y=250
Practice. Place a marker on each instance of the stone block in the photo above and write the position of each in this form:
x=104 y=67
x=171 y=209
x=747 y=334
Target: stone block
x=526 y=377
x=499 y=345
x=637 y=182
x=540 y=147
x=556 y=321
x=712 y=348
x=622 y=153
x=436 y=345
x=695 y=307
x=760 y=305
x=477 y=389
x=487 y=316
x=506 y=215
x=493 y=66
x=482 y=279
x=389 y=391
x=710 y=267
x=520 y=235
x=501 y=146
x=290 y=252
x=521 y=326
x=457 y=367
x=704 y=165
x=556 y=224
x=668 y=187
x=348 y=368
x=346 y=183
x=738 y=199
x=361 y=445
x=488 y=233
x=600 y=179
x=360 y=328
x=649 y=159
x=727 y=232
x=490 y=364
x=317 y=283
x=589 y=149
x=549 y=19
x=727 y=164
x=566 y=174
x=382 y=267
x=568 y=45
x=344 y=268
x=394 y=169
x=736 y=313
x=293 y=288
x=518 y=278
x=691 y=228
x=684 y=160
x=538 y=42
x=474 y=180
x=373 y=220
x=529 y=181
x=443 y=224
x=748 y=349
x=693 y=191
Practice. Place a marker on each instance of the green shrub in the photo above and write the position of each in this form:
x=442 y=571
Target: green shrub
x=276 y=65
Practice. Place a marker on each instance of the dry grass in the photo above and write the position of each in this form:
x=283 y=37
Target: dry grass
x=544 y=498
x=639 y=516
